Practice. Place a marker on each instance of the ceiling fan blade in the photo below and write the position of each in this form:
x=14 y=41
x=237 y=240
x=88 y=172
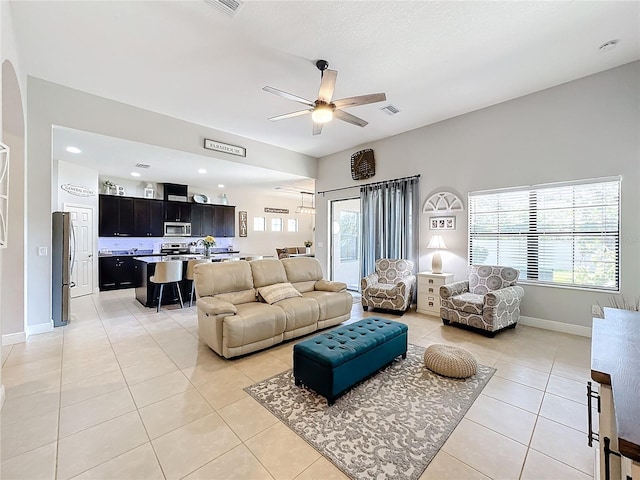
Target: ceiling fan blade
x=290 y=115
x=347 y=117
x=289 y=96
x=327 y=85
x=317 y=128
x=360 y=100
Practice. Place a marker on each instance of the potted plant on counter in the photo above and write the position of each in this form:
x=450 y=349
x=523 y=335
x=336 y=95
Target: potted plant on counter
x=307 y=244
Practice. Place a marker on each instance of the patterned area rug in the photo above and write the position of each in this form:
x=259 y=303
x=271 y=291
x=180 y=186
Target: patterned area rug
x=389 y=426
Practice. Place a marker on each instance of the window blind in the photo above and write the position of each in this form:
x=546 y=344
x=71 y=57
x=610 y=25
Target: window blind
x=564 y=234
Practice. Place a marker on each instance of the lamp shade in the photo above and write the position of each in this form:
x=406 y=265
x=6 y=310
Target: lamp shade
x=437 y=242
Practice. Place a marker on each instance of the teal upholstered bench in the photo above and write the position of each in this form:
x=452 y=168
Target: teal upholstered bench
x=332 y=362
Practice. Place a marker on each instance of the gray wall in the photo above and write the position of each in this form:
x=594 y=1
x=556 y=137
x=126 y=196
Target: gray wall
x=50 y=104
x=582 y=129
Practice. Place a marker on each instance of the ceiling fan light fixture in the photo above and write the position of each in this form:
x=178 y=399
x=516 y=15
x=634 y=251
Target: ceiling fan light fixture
x=322 y=114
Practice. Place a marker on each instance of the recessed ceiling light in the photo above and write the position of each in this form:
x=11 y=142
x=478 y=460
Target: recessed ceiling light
x=220 y=185
x=202 y=170
x=610 y=45
x=73 y=150
x=135 y=174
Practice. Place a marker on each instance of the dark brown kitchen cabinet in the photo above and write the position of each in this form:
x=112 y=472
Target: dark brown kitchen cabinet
x=224 y=221
x=177 y=212
x=148 y=217
x=115 y=272
x=115 y=216
x=202 y=220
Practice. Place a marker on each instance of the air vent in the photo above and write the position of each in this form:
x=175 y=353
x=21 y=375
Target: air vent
x=229 y=7
x=390 y=110
x=142 y=165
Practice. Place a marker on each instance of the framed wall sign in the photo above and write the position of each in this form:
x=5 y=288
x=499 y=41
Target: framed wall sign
x=442 y=223
x=276 y=210
x=242 y=224
x=225 y=148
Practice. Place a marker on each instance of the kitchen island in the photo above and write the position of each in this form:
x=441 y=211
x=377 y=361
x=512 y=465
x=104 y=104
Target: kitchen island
x=145 y=267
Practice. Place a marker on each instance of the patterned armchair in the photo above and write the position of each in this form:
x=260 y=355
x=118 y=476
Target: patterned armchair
x=489 y=300
x=391 y=287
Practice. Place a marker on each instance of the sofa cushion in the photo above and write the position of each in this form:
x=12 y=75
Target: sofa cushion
x=253 y=323
x=468 y=302
x=486 y=278
x=243 y=296
x=267 y=272
x=382 y=290
x=299 y=312
x=278 y=291
x=303 y=272
x=214 y=278
x=332 y=304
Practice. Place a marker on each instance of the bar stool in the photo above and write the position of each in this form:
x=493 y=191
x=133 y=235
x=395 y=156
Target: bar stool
x=168 y=272
x=189 y=275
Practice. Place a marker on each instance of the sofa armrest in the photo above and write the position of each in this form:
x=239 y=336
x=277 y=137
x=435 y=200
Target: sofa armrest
x=369 y=280
x=329 y=286
x=215 y=306
x=455 y=288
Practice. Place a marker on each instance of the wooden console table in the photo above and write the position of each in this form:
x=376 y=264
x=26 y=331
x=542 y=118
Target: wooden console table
x=615 y=365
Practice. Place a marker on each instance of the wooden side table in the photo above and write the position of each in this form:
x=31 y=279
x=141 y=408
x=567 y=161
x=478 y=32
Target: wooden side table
x=429 y=291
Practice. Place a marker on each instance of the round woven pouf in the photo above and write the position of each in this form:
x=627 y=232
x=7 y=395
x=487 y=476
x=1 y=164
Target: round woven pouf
x=450 y=361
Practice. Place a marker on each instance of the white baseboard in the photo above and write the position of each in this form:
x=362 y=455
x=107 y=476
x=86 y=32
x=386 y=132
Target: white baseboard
x=555 y=326
x=2 y=396
x=13 y=338
x=39 y=328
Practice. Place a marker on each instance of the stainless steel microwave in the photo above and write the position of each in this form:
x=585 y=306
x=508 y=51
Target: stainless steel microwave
x=177 y=229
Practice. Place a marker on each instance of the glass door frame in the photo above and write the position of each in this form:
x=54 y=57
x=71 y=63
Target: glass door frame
x=332 y=219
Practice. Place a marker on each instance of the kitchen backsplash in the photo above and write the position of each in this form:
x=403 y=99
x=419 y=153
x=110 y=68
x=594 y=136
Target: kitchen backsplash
x=143 y=243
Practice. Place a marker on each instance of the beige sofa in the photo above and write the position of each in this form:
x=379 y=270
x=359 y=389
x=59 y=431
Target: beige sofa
x=241 y=308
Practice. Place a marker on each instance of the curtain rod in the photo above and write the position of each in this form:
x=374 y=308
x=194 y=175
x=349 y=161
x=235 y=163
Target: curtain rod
x=367 y=184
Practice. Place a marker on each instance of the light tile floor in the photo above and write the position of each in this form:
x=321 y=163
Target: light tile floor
x=123 y=392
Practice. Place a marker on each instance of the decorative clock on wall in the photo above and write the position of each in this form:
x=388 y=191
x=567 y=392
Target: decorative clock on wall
x=363 y=165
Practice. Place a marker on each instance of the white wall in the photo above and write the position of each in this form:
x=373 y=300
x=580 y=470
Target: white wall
x=587 y=128
x=50 y=104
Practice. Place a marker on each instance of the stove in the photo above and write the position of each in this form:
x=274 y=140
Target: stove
x=174 y=248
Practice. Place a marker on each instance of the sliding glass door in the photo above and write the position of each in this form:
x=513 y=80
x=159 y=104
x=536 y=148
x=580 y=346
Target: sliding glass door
x=345 y=242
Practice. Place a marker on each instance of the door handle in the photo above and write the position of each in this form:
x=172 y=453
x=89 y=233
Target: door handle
x=90 y=255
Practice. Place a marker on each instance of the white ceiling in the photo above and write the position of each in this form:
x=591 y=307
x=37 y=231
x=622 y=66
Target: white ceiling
x=435 y=60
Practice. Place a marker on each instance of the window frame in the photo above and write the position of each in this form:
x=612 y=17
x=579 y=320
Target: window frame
x=535 y=238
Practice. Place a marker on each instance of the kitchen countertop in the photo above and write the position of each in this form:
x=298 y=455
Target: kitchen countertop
x=124 y=253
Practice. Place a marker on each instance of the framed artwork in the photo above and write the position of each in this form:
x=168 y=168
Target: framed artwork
x=242 y=224
x=442 y=223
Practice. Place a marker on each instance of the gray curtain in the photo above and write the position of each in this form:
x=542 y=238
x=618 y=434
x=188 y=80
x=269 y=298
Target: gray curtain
x=390 y=222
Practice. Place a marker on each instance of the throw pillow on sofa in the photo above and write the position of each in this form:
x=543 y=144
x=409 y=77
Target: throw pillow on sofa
x=278 y=291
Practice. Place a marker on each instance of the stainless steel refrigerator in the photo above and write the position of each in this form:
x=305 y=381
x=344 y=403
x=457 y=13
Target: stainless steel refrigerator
x=62 y=253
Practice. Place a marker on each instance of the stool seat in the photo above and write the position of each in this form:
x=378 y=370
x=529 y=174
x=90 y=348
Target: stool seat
x=168 y=272
x=450 y=361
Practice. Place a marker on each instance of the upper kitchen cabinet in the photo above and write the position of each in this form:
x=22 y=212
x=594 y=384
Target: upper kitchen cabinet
x=177 y=212
x=116 y=216
x=224 y=221
x=202 y=220
x=148 y=217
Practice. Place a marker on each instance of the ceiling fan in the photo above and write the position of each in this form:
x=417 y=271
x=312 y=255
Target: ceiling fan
x=323 y=109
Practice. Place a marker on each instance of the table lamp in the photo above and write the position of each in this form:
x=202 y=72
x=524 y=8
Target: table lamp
x=436 y=261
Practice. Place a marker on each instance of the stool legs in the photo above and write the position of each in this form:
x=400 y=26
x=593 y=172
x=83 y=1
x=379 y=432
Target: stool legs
x=160 y=297
x=179 y=294
x=193 y=286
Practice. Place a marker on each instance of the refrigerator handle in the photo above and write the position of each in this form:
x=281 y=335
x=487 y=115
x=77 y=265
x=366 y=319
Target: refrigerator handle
x=73 y=254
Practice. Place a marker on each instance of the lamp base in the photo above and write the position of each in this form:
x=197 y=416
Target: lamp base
x=436 y=263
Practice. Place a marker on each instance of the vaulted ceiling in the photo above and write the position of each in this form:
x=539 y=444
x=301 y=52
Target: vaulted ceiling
x=434 y=60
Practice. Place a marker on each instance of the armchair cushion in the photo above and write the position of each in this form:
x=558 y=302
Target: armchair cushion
x=468 y=302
